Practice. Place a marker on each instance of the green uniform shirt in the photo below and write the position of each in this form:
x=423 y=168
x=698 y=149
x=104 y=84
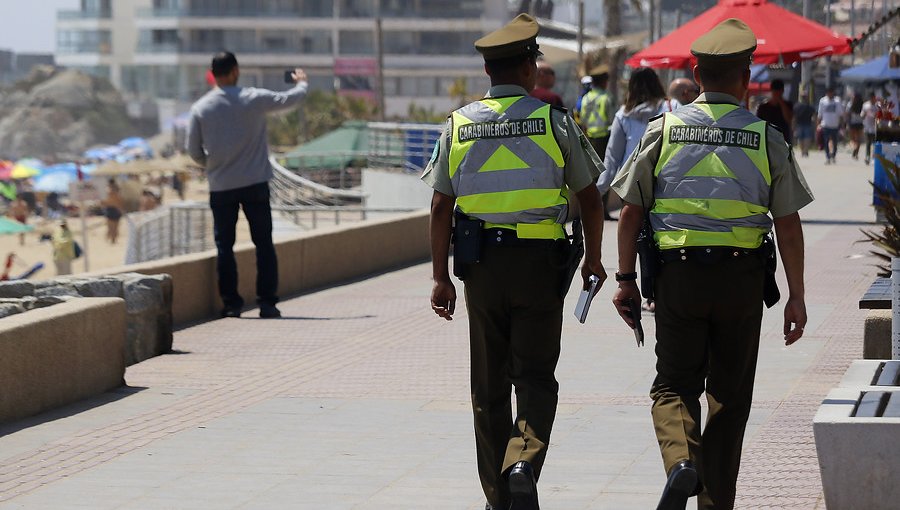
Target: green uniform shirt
x=788 y=193
x=582 y=166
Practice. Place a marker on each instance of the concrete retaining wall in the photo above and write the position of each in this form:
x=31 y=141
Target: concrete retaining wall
x=58 y=355
x=305 y=261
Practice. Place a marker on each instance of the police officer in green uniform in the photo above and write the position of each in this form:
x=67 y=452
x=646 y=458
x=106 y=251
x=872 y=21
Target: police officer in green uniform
x=596 y=110
x=510 y=163
x=713 y=176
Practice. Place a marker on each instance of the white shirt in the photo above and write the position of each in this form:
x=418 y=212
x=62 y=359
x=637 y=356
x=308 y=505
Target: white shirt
x=869 y=109
x=830 y=112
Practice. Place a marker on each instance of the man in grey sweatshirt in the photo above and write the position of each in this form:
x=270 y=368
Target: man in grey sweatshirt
x=227 y=136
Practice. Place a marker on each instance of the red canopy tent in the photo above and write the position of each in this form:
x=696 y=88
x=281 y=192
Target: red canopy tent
x=781 y=36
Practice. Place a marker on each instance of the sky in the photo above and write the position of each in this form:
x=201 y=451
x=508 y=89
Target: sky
x=29 y=26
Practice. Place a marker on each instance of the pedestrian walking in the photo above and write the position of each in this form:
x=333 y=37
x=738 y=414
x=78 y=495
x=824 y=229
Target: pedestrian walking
x=644 y=100
x=683 y=91
x=63 y=248
x=546 y=79
x=804 y=125
x=596 y=117
x=113 y=207
x=713 y=176
x=855 y=123
x=778 y=111
x=505 y=168
x=596 y=110
x=227 y=135
x=831 y=113
x=870 y=110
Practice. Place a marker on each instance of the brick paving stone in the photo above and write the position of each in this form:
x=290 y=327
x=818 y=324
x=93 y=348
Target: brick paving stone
x=358 y=398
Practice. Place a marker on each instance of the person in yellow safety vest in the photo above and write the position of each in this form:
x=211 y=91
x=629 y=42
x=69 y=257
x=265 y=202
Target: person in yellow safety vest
x=508 y=164
x=595 y=111
x=713 y=176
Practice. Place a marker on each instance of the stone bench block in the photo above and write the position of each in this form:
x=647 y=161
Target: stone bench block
x=877 y=335
x=55 y=356
x=859 y=458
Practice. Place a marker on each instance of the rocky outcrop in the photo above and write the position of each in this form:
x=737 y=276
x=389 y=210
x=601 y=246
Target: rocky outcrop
x=60 y=113
x=148 y=303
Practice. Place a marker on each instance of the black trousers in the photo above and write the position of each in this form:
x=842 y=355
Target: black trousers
x=708 y=318
x=254 y=200
x=515 y=323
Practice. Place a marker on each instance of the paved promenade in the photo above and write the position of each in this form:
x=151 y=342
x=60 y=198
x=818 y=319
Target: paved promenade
x=359 y=398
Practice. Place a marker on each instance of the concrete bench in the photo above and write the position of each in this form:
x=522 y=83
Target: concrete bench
x=856 y=430
x=55 y=356
x=877 y=333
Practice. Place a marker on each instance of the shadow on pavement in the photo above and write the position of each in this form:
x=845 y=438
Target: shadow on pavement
x=286 y=318
x=70 y=410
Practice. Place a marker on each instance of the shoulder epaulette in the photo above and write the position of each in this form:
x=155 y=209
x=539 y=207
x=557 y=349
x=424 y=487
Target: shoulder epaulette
x=560 y=108
x=657 y=116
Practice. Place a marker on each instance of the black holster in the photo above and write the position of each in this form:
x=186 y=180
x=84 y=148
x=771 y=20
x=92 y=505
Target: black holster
x=466 y=241
x=771 y=294
x=575 y=251
x=648 y=255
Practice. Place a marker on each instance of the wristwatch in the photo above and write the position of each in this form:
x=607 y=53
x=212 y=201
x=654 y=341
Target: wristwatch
x=627 y=277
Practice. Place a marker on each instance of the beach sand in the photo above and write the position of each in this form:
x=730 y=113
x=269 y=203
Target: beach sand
x=100 y=254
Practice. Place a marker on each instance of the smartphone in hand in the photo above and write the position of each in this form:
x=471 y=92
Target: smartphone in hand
x=634 y=312
x=289 y=76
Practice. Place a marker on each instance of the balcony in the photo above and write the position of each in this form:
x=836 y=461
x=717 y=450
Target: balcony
x=253 y=49
x=92 y=14
x=234 y=13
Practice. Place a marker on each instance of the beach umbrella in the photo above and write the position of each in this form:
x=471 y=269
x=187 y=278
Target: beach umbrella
x=57 y=181
x=875 y=70
x=103 y=153
x=781 y=36
x=26 y=168
x=8 y=226
x=6 y=170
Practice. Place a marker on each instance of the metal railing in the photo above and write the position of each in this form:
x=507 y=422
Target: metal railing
x=183 y=228
x=402 y=145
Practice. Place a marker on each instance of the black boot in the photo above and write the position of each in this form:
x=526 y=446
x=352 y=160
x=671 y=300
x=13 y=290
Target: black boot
x=681 y=485
x=522 y=487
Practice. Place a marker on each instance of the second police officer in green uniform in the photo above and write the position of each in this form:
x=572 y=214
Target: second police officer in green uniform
x=507 y=163
x=714 y=176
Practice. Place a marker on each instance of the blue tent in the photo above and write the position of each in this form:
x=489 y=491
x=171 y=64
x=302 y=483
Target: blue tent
x=876 y=69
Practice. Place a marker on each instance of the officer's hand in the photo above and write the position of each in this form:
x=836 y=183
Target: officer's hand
x=443 y=299
x=627 y=290
x=592 y=268
x=794 y=314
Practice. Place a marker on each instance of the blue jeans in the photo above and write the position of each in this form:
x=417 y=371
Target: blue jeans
x=225 y=206
x=830 y=135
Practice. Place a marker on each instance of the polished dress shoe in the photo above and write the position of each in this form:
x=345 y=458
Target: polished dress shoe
x=231 y=311
x=522 y=487
x=681 y=485
x=269 y=312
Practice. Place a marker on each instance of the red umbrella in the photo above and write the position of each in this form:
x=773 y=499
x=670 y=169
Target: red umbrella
x=781 y=36
x=6 y=170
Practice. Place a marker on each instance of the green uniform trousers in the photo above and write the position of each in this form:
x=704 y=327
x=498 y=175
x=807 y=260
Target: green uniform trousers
x=708 y=317
x=515 y=323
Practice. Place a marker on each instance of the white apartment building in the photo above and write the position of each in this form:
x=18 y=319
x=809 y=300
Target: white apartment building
x=157 y=51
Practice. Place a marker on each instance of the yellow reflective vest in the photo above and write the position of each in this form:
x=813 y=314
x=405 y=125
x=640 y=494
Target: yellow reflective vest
x=712 y=178
x=594 y=114
x=507 y=168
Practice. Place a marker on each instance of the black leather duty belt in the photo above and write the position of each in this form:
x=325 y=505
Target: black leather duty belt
x=507 y=237
x=708 y=254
